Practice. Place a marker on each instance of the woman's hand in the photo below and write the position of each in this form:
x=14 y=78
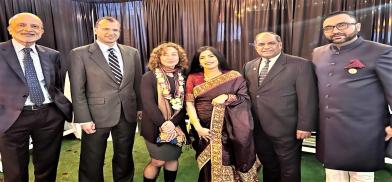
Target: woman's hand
x=204 y=133
x=173 y=134
x=220 y=99
x=167 y=126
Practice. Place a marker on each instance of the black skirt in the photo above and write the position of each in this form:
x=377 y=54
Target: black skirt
x=163 y=152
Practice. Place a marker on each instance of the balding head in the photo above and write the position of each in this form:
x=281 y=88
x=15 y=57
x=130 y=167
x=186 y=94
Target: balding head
x=268 y=44
x=25 y=28
x=22 y=15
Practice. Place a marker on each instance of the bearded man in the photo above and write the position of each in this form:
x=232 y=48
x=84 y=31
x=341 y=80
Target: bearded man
x=355 y=88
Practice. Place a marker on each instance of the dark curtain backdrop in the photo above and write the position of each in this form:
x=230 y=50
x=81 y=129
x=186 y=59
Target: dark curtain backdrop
x=229 y=25
x=65 y=22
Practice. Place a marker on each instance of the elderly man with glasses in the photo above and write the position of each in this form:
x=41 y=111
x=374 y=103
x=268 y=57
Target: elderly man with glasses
x=355 y=88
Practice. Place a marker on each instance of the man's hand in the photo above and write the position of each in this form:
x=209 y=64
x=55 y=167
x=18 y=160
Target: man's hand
x=303 y=134
x=388 y=131
x=139 y=115
x=88 y=127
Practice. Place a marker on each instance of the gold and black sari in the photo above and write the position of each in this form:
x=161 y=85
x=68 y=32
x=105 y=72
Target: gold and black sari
x=230 y=155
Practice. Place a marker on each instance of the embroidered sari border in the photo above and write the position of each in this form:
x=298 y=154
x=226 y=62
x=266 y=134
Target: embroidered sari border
x=204 y=87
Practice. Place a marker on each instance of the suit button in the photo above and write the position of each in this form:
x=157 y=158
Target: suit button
x=328 y=117
x=330 y=74
x=257 y=96
x=328 y=85
x=326 y=107
x=332 y=63
x=327 y=96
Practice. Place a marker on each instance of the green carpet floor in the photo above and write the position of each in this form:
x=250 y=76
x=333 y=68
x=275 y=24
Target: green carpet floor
x=312 y=171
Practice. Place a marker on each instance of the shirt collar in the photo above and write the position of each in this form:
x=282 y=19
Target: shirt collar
x=18 y=46
x=273 y=59
x=104 y=47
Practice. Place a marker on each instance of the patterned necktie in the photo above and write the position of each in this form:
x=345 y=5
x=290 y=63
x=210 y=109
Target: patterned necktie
x=115 y=66
x=35 y=92
x=264 y=72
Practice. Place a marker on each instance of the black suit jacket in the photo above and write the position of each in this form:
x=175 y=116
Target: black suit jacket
x=286 y=101
x=13 y=86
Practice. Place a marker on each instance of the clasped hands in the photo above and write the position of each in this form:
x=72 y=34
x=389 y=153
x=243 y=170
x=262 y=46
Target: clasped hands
x=169 y=128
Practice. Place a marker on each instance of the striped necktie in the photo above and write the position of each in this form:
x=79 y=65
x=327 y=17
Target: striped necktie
x=264 y=72
x=115 y=66
x=35 y=91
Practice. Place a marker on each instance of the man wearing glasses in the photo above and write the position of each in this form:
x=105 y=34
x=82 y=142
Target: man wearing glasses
x=355 y=88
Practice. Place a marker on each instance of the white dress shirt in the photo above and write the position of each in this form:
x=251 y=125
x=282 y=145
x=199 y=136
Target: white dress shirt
x=38 y=69
x=104 y=48
x=272 y=62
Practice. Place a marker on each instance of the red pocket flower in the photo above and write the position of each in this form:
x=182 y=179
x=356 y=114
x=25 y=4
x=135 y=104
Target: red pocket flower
x=356 y=64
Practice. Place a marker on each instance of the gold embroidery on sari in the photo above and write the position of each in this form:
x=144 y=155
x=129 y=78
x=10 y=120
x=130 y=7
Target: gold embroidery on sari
x=213 y=151
x=204 y=157
x=218 y=115
x=202 y=88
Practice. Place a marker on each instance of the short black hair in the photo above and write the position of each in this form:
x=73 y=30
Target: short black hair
x=108 y=18
x=195 y=64
x=349 y=13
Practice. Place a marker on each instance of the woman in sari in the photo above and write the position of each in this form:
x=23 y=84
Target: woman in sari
x=163 y=121
x=219 y=110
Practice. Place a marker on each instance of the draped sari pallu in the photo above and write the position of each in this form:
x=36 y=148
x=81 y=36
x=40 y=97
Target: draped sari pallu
x=214 y=150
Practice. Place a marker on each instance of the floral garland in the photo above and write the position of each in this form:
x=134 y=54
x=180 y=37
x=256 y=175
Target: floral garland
x=177 y=101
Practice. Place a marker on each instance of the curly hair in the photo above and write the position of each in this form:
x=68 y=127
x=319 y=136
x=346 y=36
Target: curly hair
x=157 y=52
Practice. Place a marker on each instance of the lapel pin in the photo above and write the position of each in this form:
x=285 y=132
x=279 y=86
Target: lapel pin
x=352 y=71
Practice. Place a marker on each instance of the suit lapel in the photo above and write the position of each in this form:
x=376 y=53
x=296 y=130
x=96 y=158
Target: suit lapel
x=254 y=72
x=127 y=64
x=275 y=70
x=9 y=54
x=46 y=65
x=98 y=57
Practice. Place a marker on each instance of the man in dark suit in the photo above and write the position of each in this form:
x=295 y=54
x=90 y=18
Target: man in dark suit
x=105 y=78
x=284 y=105
x=32 y=103
x=355 y=87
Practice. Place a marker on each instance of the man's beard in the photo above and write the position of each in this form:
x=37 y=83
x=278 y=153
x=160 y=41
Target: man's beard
x=346 y=38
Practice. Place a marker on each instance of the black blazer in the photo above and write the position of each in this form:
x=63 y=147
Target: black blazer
x=152 y=116
x=286 y=101
x=13 y=86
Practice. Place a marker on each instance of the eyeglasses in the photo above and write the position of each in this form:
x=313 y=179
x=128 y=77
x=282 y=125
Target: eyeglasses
x=339 y=26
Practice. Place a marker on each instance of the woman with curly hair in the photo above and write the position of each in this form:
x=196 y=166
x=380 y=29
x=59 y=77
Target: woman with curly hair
x=162 y=91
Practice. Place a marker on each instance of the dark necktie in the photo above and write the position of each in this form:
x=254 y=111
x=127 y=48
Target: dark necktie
x=264 y=72
x=115 y=66
x=35 y=92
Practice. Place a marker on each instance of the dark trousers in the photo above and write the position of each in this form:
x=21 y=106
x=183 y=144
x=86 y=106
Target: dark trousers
x=93 y=149
x=45 y=127
x=280 y=157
